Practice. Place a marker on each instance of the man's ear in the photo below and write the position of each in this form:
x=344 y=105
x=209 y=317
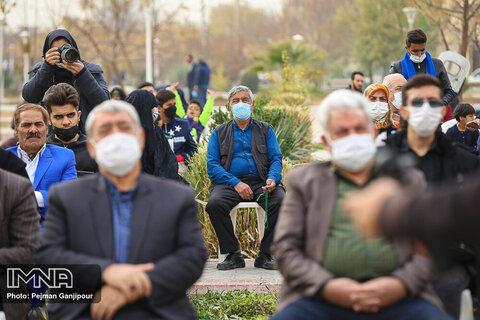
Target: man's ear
x=406 y=48
x=79 y=114
x=91 y=149
x=404 y=113
x=141 y=138
x=326 y=143
x=444 y=111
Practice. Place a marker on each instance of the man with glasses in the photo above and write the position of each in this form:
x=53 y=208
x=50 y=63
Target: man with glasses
x=438 y=157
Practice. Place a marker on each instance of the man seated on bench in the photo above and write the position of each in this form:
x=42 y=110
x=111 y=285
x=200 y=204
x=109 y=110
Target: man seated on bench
x=244 y=163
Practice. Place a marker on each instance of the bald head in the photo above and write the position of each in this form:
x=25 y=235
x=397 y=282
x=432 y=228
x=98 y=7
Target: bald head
x=394 y=83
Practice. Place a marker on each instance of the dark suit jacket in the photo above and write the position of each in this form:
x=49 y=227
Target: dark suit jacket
x=164 y=230
x=301 y=236
x=192 y=69
x=10 y=162
x=19 y=227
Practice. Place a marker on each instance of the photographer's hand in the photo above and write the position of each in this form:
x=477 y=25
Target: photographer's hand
x=73 y=67
x=52 y=56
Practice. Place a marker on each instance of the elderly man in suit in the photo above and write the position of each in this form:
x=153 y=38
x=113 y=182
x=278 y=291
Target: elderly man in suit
x=330 y=272
x=141 y=230
x=18 y=233
x=45 y=164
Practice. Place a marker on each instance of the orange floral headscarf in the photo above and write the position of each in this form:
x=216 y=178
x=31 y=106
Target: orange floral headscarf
x=387 y=120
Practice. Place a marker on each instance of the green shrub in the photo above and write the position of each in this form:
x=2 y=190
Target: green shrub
x=250 y=79
x=238 y=304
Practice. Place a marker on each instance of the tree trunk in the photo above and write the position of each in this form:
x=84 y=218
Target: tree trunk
x=465 y=22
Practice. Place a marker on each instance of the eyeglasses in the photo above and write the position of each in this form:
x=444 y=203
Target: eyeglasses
x=433 y=103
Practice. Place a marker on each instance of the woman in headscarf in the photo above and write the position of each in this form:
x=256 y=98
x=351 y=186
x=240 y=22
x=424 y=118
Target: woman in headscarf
x=381 y=111
x=84 y=76
x=158 y=158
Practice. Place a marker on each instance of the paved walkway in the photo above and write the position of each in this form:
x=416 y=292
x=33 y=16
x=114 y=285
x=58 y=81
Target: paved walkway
x=253 y=279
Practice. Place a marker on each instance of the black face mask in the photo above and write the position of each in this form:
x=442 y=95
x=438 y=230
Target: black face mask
x=171 y=111
x=66 y=134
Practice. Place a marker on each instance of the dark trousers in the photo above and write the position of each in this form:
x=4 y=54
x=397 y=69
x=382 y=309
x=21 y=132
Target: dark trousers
x=223 y=198
x=411 y=309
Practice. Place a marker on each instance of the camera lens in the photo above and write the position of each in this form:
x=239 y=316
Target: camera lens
x=70 y=55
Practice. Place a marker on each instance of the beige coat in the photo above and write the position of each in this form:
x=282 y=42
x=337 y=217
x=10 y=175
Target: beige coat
x=301 y=236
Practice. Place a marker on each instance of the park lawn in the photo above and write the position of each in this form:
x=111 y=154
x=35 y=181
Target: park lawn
x=237 y=304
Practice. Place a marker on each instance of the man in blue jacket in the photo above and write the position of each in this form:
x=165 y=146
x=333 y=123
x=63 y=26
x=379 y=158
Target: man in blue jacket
x=244 y=163
x=85 y=77
x=45 y=164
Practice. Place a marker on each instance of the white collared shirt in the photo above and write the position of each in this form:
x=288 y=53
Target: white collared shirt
x=31 y=168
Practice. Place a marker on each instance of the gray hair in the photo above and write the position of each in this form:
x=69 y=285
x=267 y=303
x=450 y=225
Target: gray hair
x=388 y=79
x=238 y=89
x=340 y=100
x=111 y=106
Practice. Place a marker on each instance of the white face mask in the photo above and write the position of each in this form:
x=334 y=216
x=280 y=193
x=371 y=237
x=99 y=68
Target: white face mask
x=154 y=114
x=397 y=100
x=354 y=152
x=118 y=153
x=425 y=119
x=417 y=59
x=377 y=110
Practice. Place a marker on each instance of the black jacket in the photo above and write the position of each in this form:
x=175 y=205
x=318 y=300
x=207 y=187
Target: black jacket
x=449 y=96
x=456 y=162
x=89 y=83
x=10 y=162
x=82 y=159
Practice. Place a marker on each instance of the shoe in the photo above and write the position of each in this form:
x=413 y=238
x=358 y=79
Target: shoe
x=265 y=261
x=232 y=261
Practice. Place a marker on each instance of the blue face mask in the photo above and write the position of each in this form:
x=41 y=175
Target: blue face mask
x=241 y=111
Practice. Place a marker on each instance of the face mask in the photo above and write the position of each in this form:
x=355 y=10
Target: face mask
x=354 y=152
x=397 y=100
x=241 y=111
x=155 y=114
x=377 y=110
x=417 y=59
x=194 y=94
x=66 y=134
x=118 y=153
x=425 y=119
x=170 y=112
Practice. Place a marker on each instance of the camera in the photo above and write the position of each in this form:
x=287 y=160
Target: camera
x=68 y=53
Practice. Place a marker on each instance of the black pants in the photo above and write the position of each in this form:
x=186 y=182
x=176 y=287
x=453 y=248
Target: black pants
x=223 y=198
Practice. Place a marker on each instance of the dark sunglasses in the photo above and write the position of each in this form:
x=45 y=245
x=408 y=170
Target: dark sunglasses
x=433 y=103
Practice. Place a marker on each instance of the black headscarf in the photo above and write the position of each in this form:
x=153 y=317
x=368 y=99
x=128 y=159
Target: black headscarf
x=54 y=35
x=120 y=92
x=157 y=159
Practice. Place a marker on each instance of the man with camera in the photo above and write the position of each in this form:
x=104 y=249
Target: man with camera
x=62 y=63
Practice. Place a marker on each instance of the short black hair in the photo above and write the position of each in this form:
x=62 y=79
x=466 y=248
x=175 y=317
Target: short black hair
x=60 y=95
x=418 y=81
x=416 y=36
x=354 y=73
x=463 y=110
x=196 y=101
x=145 y=84
x=164 y=95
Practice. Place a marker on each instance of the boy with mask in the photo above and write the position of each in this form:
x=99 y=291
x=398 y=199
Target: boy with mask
x=418 y=61
x=176 y=129
x=460 y=133
x=61 y=102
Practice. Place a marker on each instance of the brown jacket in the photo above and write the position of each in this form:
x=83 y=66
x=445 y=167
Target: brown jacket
x=301 y=236
x=19 y=227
